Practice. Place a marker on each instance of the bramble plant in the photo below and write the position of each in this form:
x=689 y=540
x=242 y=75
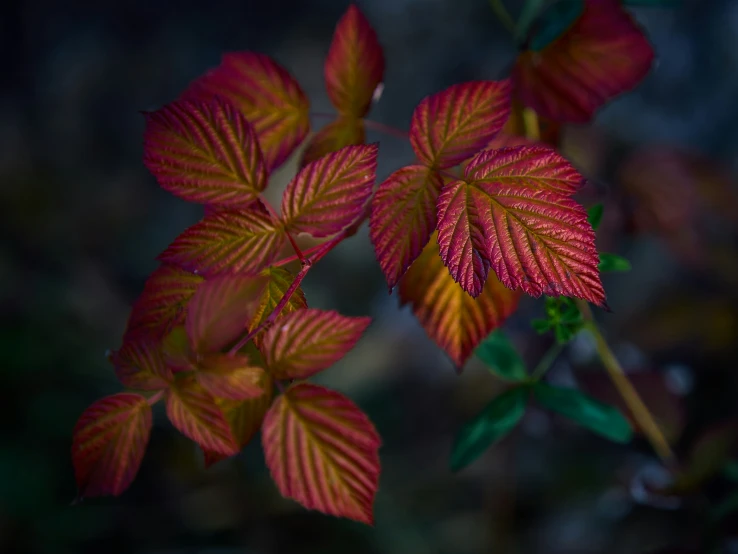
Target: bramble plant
x=222 y=331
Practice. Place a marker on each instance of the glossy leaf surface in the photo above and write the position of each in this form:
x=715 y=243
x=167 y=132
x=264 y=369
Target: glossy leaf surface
x=139 y=365
x=328 y=194
x=532 y=237
x=204 y=152
x=355 y=64
x=497 y=419
x=343 y=131
x=500 y=356
x=604 y=420
x=268 y=97
x=308 y=341
x=109 y=442
x=239 y=241
x=220 y=310
x=322 y=451
x=454 y=124
x=601 y=55
x=194 y=412
x=163 y=301
x=403 y=217
x=455 y=321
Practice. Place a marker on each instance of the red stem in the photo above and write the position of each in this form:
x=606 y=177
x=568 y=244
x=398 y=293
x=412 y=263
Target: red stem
x=387 y=129
x=298 y=252
x=153 y=399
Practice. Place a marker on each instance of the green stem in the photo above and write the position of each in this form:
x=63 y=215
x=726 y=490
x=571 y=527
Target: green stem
x=503 y=15
x=641 y=413
x=547 y=361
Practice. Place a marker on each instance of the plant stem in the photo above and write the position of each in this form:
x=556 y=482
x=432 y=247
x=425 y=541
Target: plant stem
x=503 y=15
x=298 y=252
x=154 y=398
x=387 y=129
x=547 y=361
x=641 y=413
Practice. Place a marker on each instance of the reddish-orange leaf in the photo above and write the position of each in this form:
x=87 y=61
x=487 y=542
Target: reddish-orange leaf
x=279 y=280
x=139 y=365
x=346 y=130
x=266 y=94
x=161 y=305
x=403 y=217
x=204 y=152
x=244 y=417
x=240 y=241
x=221 y=309
x=603 y=54
x=329 y=194
x=537 y=167
x=355 y=64
x=533 y=237
x=109 y=442
x=308 y=341
x=194 y=412
x=322 y=451
x=455 y=321
x=454 y=124
x=231 y=377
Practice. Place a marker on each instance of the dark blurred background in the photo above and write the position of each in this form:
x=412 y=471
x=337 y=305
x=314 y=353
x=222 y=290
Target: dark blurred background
x=82 y=222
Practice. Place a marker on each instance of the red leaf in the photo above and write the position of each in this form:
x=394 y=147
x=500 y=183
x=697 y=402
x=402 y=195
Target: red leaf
x=322 y=451
x=537 y=167
x=355 y=64
x=453 y=125
x=603 y=54
x=238 y=241
x=177 y=352
x=266 y=94
x=194 y=412
x=221 y=309
x=244 y=418
x=533 y=238
x=455 y=321
x=306 y=342
x=204 y=152
x=328 y=194
x=109 y=442
x=161 y=305
x=139 y=365
x=230 y=377
x=344 y=131
x=403 y=217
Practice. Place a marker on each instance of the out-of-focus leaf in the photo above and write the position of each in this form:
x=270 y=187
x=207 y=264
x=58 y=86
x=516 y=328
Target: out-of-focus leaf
x=231 y=377
x=454 y=124
x=329 y=194
x=205 y=152
x=344 y=131
x=613 y=262
x=500 y=356
x=322 y=451
x=403 y=216
x=455 y=321
x=579 y=59
x=268 y=97
x=139 y=365
x=588 y=412
x=495 y=421
x=355 y=64
x=594 y=215
x=109 y=442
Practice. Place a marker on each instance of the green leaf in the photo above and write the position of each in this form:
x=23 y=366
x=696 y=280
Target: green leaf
x=555 y=21
x=497 y=419
x=601 y=418
x=594 y=215
x=500 y=356
x=527 y=17
x=613 y=262
x=541 y=326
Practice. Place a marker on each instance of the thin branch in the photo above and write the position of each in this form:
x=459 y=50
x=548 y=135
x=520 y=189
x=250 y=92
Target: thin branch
x=298 y=252
x=387 y=129
x=547 y=361
x=632 y=399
